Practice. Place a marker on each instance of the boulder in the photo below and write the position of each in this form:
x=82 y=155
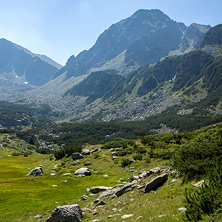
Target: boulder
x=95 y=150
x=98 y=189
x=77 y=156
x=127 y=187
x=83 y=172
x=68 y=213
x=86 y=152
x=126 y=216
x=35 y=172
x=199 y=184
x=156 y=183
x=181 y=209
x=84 y=197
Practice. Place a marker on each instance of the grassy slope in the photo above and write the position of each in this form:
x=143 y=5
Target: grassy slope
x=22 y=198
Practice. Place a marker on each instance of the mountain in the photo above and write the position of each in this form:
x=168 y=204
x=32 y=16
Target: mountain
x=17 y=62
x=189 y=81
x=114 y=65
x=143 y=38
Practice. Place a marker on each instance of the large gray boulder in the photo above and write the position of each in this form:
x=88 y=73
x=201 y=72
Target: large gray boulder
x=83 y=172
x=86 y=152
x=35 y=172
x=77 y=156
x=67 y=213
x=156 y=183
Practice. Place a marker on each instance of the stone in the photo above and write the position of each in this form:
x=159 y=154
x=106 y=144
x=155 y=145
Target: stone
x=126 y=216
x=114 y=215
x=118 y=203
x=99 y=189
x=86 y=152
x=163 y=215
x=77 y=156
x=199 y=184
x=105 y=176
x=83 y=172
x=100 y=203
x=142 y=175
x=67 y=213
x=35 y=172
x=96 y=220
x=156 y=183
x=173 y=180
x=38 y=216
x=95 y=150
x=155 y=170
x=86 y=210
x=84 y=197
x=52 y=174
x=181 y=209
x=67 y=174
x=127 y=187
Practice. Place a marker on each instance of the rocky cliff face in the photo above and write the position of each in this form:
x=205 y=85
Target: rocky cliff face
x=144 y=38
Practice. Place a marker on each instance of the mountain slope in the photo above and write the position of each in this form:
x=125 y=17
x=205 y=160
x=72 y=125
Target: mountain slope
x=143 y=38
x=34 y=69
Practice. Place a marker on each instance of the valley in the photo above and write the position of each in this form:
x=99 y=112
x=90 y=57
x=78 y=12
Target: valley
x=129 y=130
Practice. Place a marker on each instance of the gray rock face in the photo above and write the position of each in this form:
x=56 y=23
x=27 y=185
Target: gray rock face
x=86 y=152
x=99 y=189
x=83 y=172
x=156 y=182
x=127 y=187
x=35 y=172
x=67 y=213
x=77 y=156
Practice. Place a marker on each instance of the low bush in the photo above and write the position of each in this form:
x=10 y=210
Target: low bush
x=125 y=162
x=206 y=199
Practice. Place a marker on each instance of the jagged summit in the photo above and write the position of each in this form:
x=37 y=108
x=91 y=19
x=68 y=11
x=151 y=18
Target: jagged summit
x=141 y=39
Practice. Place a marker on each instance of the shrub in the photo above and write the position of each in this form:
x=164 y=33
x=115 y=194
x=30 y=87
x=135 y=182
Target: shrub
x=67 y=150
x=194 y=157
x=206 y=199
x=125 y=162
x=138 y=157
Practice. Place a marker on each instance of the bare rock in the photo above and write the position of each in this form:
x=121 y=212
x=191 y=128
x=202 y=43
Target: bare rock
x=98 y=189
x=127 y=216
x=35 y=172
x=127 y=187
x=199 y=184
x=84 y=197
x=67 y=213
x=181 y=209
x=77 y=156
x=156 y=183
x=83 y=172
x=86 y=152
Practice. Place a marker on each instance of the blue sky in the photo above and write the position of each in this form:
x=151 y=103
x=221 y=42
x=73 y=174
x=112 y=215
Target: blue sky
x=61 y=28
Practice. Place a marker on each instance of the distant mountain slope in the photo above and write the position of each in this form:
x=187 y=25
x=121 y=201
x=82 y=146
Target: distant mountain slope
x=143 y=38
x=186 y=79
x=20 y=63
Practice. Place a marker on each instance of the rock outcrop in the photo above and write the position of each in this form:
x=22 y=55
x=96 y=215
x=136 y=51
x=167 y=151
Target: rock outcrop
x=35 y=172
x=98 y=189
x=86 y=152
x=83 y=172
x=156 y=183
x=77 y=156
x=67 y=213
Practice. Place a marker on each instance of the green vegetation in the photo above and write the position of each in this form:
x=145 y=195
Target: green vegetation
x=207 y=199
x=24 y=198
